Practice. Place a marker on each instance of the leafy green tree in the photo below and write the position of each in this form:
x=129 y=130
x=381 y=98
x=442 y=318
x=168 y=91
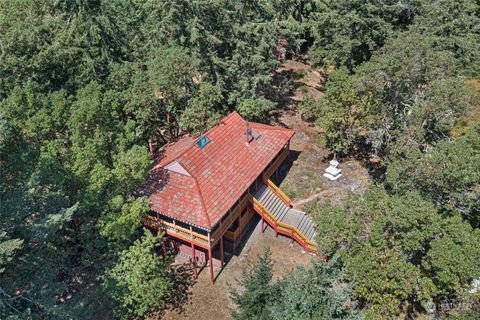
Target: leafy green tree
x=253 y=109
x=348 y=32
x=253 y=301
x=447 y=173
x=408 y=93
x=454 y=26
x=394 y=250
x=7 y=249
x=123 y=218
x=343 y=112
x=319 y=291
x=201 y=112
x=139 y=281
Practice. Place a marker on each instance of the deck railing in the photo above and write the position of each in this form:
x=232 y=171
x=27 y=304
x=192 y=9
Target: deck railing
x=159 y=224
x=277 y=191
x=282 y=227
x=231 y=235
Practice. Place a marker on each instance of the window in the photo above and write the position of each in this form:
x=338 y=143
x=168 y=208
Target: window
x=203 y=141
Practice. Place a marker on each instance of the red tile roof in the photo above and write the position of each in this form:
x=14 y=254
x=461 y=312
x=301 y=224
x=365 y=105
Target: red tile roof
x=219 y=173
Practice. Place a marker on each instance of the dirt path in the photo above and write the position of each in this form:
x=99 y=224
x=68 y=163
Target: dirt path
x=301 y=202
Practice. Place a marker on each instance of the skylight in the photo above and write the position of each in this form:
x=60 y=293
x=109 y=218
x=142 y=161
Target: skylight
x=203 y=141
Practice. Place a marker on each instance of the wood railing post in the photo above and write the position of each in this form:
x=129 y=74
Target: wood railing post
x=210 y=260
x=164 y=248
x=262 y=224
x=194 y=257
x=221 y=252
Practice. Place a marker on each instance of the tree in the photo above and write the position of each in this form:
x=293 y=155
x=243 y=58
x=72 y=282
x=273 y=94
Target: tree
x=347 y=33
x=317 y=292
x=394 y=250
x=253 y=302
x=7 y=249
x=343 y=112
x=409 y=92
x=140 y=280
x=454 y=26
x=201 y=112
x=447 y=173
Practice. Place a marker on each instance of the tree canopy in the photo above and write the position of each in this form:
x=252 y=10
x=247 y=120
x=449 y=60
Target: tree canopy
x=88 y=86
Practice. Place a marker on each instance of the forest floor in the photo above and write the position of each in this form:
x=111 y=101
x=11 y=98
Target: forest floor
x=301 y=177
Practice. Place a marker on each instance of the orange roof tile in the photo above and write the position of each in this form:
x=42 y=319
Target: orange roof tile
x=218 y=174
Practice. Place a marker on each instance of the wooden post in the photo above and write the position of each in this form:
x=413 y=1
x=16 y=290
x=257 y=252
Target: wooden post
x=194 y=257
x=239 y=226
x=262 y=224
x=164 y=248
x=221 y=244
x=194 y=260
x=234 y=244
x=210 y=260
x=221 y=251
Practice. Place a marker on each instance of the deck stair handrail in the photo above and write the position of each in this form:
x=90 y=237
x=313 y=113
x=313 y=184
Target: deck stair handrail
x=282 y=227
x=277 y=191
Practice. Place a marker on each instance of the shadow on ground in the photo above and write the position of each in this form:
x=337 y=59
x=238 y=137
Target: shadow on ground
x=181 y=292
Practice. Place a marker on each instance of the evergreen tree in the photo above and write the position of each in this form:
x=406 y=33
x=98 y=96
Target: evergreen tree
x=139 y=281
x=398 y=252
x=317 y=292
x=253 y=301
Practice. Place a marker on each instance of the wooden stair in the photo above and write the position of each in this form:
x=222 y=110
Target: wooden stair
x=275 y=208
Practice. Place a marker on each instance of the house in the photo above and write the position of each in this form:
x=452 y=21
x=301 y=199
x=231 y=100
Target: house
x=203 y=191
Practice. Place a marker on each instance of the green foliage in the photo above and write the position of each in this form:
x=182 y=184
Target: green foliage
x=7 y=249
x=342 y=112
x=398 y=252
x=348 y=32
x=409 y=92
x=455 y=28
x=318 y=292
x=139 y=281
x=87 y=85
x=253 y=302
x=253 y=109
x=201 y=113
x=447 y=173
x=123 y=218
